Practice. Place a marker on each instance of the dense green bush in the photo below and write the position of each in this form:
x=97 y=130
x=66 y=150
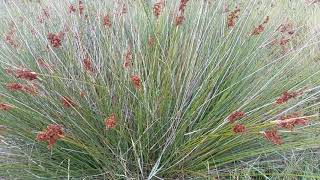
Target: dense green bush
x=151 y=90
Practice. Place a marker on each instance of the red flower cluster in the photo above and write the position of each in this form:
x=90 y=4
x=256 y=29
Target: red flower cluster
x=180 y=17
x=290 y=121
x=51 y=134
x=23 y=74
x=235 y=116
x=233 y=15
x=273 y=136
x=110 y=122
x=239 y=128
x=67 y=102
x=55 y=39
x=136 y=81
x=258 y=30
x=14 y=86
x=20 y=87
x=5 y=107
x=26 y=74
x=157 y=8
x=128 y=58
x=286 y=96
x=183 y=5
x=88 y=64
x=179 y=20
x=286 y=30
x=106 y=21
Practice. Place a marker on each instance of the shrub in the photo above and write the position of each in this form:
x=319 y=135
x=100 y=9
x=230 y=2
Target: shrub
x=165 y=89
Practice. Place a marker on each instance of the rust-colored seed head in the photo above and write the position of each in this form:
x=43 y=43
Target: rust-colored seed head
x=136 y=81
x=235 y=116
x=106 y=21
x=51 y=134
x=88 y=64
x=273 y=136
x=55 y=39
x=286 y=96
x=231 y=20
x=26 y=74
x=179 y=20
x=110 y=122
x=6 y=107
x=14 y=86
x=183 y=5
x=292 y=120
x=128 y=59
x=239 y=128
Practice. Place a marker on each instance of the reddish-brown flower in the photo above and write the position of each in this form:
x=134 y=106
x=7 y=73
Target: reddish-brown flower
x=67 y=102
x=33 y=90
x=136 y=81
x=128 y=59
x=106 y=21
x=239 y=128
x=290 y=121
x=273 y=136
x=14 y=86
x=88 y=64
x=232 y=17
x=258 y=30
x=286 y=96
x=26 y=74
x=183 y=5
x=6 y=107
x=51 y=134
x=55 y=40
x=157 y=8
x=235 y=116
x=110 y=122
x=179 y=19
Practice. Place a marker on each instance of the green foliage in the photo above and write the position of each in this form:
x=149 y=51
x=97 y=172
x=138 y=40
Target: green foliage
x=193 y=77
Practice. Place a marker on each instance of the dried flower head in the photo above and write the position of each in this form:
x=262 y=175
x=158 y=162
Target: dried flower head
x=258 y=30
x=6 y=107
x=157 y=8
x=239 y=128
x=106 y=21
x=235 y=116
x=128 y=58
x=286 y=96
x=87 y=63
x=55 y=40
x=136 y=81
x=292 y=120
x=110 y=122
x=183 y=5
x=14 y=86
x=232 y=17
x=26 y=74
x=179 y=19
x=273 y=136
x=51 y=134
